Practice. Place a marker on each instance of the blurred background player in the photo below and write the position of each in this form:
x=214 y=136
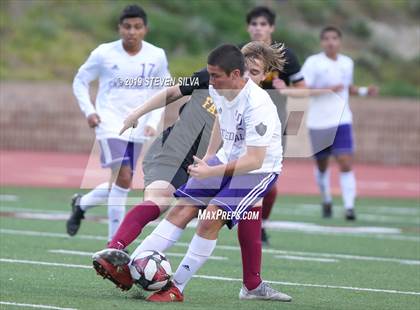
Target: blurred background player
x=122 y=67
x=330 y=119
x=261 y=22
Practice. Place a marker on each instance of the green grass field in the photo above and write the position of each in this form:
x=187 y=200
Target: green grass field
x=323 y=264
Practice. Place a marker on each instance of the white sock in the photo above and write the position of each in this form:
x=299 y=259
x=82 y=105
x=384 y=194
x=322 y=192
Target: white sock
x=116 y=208
x=348 y=189
x=323 y=181
x=199 y=251
x=95 y=197
x=164 y=236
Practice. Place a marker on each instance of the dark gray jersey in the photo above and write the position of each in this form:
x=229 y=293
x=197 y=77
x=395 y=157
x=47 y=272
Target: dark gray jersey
x=190 y=134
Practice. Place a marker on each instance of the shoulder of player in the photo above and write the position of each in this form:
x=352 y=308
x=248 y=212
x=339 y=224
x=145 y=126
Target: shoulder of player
x=346 y=59
x=153 y=48
x=315 y=58
x=259 y=99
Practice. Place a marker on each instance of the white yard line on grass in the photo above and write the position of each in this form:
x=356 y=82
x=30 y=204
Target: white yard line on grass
x=310 y=259
x=6 y=260
x=303 y=227
x=81 y=253
x=7 y=197
x=225 y=247
x=8 y=303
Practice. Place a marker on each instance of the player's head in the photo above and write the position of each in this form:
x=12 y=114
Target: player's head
x=226 y=65
x=330 y=37
x=261 y=58
x=261 y=21
x=132 y=25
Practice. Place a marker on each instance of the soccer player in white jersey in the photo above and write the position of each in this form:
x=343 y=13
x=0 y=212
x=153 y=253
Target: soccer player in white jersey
x=125 y=69
x=329 y=117
x=229 y=181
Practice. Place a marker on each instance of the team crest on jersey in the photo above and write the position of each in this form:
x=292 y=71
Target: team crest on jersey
x=261 y=129
x=115 y=67
x=219 y=111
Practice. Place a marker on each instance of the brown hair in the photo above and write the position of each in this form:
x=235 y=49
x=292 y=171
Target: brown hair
x=271 y=55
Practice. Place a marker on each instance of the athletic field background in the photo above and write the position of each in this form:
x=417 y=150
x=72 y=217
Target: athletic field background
x=47 y=153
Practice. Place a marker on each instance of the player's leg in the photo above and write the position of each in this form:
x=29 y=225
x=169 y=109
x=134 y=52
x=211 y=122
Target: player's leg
x=343 y=150
x=348 y=184
x=267 y=206
x=123 y=166
x=170 y=229
x=157 y=199
x=322 y=176
x=251 y=249
x=200 y=249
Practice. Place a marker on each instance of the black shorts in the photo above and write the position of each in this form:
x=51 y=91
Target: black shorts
x=160 y=163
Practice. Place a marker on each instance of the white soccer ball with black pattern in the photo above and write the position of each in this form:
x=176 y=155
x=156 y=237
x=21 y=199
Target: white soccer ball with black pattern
x=151 y=270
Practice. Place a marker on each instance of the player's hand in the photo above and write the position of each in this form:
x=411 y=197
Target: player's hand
x=199 y=169
x=279 y=84
x=373 y=90
x=93 y=120
x=337 y=88
x=129 y=122
x=149 y=131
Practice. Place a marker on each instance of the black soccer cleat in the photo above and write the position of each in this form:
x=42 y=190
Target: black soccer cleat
x=77 y=215
x=350 y=215
x=327 y=210
x=264 y=238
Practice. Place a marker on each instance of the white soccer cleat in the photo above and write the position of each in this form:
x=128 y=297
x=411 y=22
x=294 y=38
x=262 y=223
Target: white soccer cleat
x=263 y=292
x=113 y=256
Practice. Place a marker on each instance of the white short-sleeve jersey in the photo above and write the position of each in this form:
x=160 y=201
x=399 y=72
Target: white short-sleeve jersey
x=250 y=119
x=125 y=82
x=329 y=110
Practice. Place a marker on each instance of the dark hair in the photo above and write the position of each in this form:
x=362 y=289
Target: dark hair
x=132 y=11
x=261 y=11
x=330 y=29
x=228 y=57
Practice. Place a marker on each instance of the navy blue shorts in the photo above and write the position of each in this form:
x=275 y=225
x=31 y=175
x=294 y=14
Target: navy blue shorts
x=235 y=194
x=332 y=141
x=117 y=152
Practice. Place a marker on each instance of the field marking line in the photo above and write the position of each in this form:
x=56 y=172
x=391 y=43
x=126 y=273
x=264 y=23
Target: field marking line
x=9 y=303
x=82 y=253
x=302 y=227
x=6 y=260
x=310 y=259
x=224 y=247
x=9 y=197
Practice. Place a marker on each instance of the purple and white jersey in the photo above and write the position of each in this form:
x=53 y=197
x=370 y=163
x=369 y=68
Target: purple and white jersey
x=250 y=119
x=328 y=110
x=125 y=82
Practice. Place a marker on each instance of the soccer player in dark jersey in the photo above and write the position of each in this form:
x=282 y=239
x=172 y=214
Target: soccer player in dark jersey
x=166 y=168
x=261 y=26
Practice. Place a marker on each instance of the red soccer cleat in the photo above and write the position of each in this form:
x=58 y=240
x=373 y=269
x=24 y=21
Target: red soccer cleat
x=120 y=275
x=169 y=294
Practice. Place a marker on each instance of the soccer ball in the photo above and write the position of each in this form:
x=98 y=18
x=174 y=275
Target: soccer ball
x=150 y=270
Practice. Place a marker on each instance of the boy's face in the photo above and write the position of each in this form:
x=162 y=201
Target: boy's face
x=259 y=29
x=220 y=80
x=331 y=42
x=132 y=31
x=255 y=70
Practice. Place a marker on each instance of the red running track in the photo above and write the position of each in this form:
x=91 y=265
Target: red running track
x=69 y=170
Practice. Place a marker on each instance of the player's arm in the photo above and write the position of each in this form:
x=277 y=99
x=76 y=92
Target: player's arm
x=161 y=99
x=252 y=160
x=363 y=91
x=215 y=140
x=87 y=73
